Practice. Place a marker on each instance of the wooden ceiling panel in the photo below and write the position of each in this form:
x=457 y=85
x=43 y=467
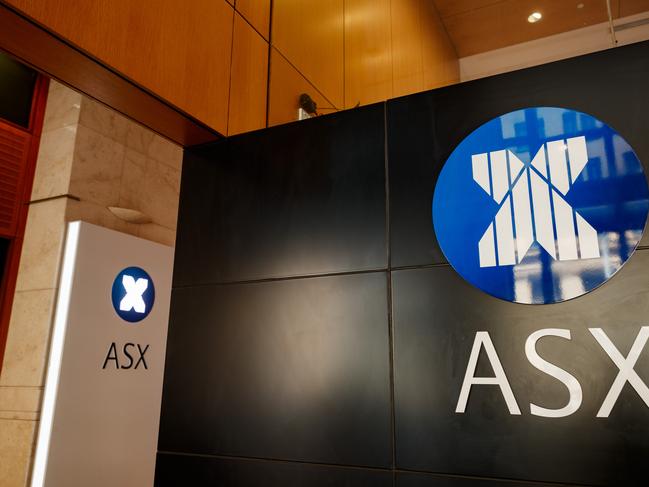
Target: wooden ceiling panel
x=505 y=23
x=477 y=26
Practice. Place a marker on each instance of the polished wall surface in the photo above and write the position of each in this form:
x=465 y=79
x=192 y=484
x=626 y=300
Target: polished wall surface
x=430 y=362
x=326 y=333
x=317 y=208
x=318 y=336
x=357 y=52
x=153 y=44
x=212 y=58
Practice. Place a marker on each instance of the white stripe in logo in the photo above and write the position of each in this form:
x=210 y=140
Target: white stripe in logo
x=134 y=291
x=531 y=203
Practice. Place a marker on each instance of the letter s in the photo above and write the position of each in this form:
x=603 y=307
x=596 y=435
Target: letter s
x=130 y=357
x=574 y=388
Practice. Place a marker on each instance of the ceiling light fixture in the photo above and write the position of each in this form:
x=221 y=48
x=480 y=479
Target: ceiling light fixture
x=534 y=17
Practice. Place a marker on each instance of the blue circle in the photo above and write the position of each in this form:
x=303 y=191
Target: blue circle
x=540 y=205
x=133 y=294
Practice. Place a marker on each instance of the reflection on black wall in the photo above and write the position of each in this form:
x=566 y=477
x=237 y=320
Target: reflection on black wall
x=299 y=370
x=318 y=337
x=293 y=201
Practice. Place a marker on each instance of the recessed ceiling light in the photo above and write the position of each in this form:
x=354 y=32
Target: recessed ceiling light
x=580 y=5
x=534 y=17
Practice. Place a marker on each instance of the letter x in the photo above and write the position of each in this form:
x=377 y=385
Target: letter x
x=626 y=373
x=532 y=204
x=134 y=291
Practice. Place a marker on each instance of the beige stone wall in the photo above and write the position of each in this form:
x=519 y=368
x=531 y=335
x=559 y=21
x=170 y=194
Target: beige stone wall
x=90 y=159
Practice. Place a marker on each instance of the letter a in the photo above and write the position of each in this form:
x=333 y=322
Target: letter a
x=482 y=338
x=112 y=355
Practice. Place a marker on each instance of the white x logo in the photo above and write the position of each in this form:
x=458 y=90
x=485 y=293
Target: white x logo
x=134 y=291
x=626 y=373
x=532 y=204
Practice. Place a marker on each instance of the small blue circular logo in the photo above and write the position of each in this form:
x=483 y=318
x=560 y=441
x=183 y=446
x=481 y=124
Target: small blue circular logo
x=133 y=294
x=540 y=205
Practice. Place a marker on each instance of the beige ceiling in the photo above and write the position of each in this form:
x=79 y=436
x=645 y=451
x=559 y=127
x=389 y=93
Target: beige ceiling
x=482 y=25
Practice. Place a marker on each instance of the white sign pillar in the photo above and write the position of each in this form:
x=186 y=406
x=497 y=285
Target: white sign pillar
x=101 y=405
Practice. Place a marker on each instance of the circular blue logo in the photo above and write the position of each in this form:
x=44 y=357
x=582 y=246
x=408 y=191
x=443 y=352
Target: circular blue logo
x=540 y=205
x=133 y=294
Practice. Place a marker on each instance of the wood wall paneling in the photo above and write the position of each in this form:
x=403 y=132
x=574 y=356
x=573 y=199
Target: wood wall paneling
x=341 y=52
x=182 y=54
x=286 y=86
x=407 y=57
x=248 y=84
x=368 y=52
x=35 y=46
x=440 y=63
x=311 y=35
x=257 y=12
x=446 y=8
x=631 y=7
x=204 y=89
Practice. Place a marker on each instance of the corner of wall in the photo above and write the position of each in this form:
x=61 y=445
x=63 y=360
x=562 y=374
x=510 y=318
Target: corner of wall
x=90 y=158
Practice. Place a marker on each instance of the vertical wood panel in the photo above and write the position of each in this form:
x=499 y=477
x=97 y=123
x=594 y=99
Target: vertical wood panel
x=407 y=67
x=341 y=51
x=248 y=84
x=206 y=57
x=257 y=12
x=310 y=34
x=446 y=8
x=631 y=7
x=286 y=86
x=37 y=47
x=179 y=53
x=368 y=52
x=440 y=62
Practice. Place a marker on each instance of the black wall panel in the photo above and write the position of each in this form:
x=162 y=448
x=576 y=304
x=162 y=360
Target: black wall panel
x=308 y=348
x=409 y=479
x=436 y=317
x=184 y=470
x=606 y=85
x=294 y=369
x=293 y=201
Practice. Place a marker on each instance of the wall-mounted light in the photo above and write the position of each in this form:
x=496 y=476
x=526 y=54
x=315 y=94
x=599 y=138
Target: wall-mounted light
x=130 y=215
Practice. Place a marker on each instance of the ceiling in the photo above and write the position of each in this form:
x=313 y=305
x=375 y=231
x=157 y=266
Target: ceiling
x=483 y=25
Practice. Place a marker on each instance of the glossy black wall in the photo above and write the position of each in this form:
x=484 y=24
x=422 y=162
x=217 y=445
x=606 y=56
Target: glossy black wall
x=318 y=337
